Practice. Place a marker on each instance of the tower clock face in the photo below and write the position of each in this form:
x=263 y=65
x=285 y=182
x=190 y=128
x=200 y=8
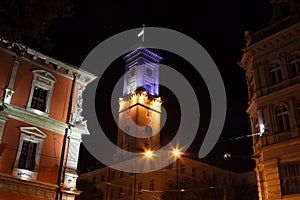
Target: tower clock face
x=132 y=72
x=149 y=71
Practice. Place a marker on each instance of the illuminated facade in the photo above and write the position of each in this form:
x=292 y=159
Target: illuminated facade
x=40 y=124
x=140 y=106
x=272 y=63
x=187 y=178
x=139 y=132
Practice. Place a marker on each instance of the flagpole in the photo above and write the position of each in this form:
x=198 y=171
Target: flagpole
x=143 y=38
x=142 y=33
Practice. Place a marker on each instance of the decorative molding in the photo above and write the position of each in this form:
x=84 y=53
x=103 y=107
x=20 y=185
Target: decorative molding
x=33 y=131
x=26 y=116
x=24 y=174
x=12 y=184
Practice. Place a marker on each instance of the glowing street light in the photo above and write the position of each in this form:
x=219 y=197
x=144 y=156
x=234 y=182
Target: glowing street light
x=176 y=153
x=149 y=154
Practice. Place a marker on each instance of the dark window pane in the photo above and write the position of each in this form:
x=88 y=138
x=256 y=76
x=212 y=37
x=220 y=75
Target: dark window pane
x=39 y=99
x=27 y=156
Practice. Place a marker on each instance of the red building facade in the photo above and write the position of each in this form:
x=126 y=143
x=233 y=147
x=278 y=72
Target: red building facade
x=40 y=124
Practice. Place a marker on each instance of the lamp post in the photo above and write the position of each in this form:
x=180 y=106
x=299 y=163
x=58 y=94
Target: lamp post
x=176 y=154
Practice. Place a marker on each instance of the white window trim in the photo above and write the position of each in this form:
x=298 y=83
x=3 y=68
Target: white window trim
x=35 y=135
x=295 y=62
x=276 y=70
x=38 y=76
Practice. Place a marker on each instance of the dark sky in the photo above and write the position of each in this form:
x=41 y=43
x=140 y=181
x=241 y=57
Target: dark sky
x=217 y=25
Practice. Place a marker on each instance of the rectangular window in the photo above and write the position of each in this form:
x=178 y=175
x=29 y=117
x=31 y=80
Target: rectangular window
x=140 y=187
x=130 y=190
x=94 y=180
x=111 y=193
x=121 y=174
x=290 y=178
x=120 y=192
x=113 y=176
x=41 y=92
x=215 y=178
x=170 y=184
x=102 y=178
x=151 y=188
x=204 y=175
x=39 y=99
x=171 y=166
x=182 y=169
x=27 y=156
x=194 y=171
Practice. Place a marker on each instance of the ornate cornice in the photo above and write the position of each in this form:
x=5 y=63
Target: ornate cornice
x=26 y=116
x=278 y=38
x=49 y=63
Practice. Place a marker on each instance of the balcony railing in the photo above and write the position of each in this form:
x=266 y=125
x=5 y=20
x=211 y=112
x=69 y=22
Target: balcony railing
x=266 y=140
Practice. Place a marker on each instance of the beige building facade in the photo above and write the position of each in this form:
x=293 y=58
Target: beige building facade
x=272 y=63
x=187 y=178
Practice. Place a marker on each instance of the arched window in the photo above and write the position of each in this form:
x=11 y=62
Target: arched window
x=294 y=61
x=298 y=113
x=283 y=121
x=250 y=81
x=275 y=71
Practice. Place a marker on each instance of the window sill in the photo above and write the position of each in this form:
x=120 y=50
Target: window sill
x=38 y=112
x=24 y=174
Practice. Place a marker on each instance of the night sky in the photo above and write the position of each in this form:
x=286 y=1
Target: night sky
x=217 y=25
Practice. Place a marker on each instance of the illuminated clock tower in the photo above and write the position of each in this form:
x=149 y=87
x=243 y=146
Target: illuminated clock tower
x=140 y=106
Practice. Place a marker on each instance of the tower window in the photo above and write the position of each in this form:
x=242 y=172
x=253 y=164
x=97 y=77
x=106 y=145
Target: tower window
x=148 y=131
x=295 y=65
x=283 y=119
x=289 y=178
x=148 y=87
x=276 y=75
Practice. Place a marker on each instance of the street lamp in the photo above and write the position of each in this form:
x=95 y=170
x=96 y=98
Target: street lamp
x=176 y=153
x=148 y=154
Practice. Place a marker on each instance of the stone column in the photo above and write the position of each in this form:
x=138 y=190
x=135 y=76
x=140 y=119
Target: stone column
x=9 y=91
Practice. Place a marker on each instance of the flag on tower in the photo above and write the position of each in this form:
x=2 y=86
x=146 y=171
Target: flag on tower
x=142 y=34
